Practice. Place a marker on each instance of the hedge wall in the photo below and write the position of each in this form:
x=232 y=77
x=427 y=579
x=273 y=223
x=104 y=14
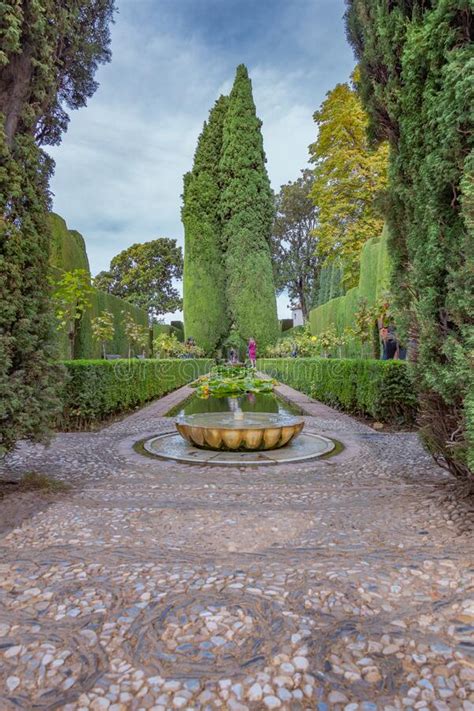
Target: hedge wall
x=68 y=252
x=373 y=281
x=68 y=249
x=286 y=324
x=86 y=347
x=380 y=389
x=97 y=389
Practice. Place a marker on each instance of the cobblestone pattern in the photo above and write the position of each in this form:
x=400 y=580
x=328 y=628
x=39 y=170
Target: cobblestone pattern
x=343 y=584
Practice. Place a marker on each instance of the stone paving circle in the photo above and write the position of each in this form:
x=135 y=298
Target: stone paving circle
x=338 y=584
x=169 y=445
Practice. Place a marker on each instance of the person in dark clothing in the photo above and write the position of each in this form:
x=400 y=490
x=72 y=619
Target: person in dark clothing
x=391 y=344
x=388 y=337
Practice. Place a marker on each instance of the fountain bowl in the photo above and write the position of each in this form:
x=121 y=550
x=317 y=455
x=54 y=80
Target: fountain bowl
x=248 y=431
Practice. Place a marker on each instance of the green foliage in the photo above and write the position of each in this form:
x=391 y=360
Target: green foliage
x=247 y=210
x=103 y=329
x=71 y=298
x=227 y=216
x=349 y=176
x=97 y=389
x=119 y=345
x=291 y=332
x=48 y=57
x=167 y=345
x=68 y=254
x=383 y=390
x=417 y=62
x=28 y=373
x=330 y=283
x=137 y=336
x=205 y=313
x=231 y=381
x=295 y=264
x=302 y=344
x=178 y=330
x=143 y=275
x=68 y=248
x=286 y=324
x=341 y=313
x=34 y=481
x=234 y=341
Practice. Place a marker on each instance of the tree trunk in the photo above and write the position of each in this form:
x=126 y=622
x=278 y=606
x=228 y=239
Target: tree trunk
x=72 y=338
x=15 y=88
x=302 y=299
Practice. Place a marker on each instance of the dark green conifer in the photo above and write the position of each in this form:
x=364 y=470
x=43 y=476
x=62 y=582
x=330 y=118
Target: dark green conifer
x=247 y=210
x=416 y=61
x=49 y=54
x=204 y=299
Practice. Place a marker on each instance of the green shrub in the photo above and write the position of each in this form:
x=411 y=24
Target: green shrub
x=380 y=389
x=97 y=389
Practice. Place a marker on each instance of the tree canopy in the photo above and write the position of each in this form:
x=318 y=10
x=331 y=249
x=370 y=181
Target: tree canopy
x=144 y=275
x=349 y=176
x=294 y=244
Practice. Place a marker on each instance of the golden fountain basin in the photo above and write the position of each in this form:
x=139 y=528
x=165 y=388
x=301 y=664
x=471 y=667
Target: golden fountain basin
x=248 y=431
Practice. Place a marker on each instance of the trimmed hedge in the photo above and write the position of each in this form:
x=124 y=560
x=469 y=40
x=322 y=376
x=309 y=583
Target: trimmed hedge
x=286 y=324
x=340 y=312
x=67 y=247
x=380 y=389
x=68 y=252
x=97 y=389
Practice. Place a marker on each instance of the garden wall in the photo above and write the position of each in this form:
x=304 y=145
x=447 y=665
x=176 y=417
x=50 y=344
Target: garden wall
x=380 y=389
x=340 y=312
x=97 y=389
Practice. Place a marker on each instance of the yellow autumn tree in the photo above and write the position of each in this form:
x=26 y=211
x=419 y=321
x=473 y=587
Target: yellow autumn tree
x=349 y=176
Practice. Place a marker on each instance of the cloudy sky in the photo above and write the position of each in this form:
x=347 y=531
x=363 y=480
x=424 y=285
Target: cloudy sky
x=119 y=168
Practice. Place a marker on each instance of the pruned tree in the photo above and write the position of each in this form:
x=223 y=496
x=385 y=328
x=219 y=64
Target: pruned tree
x=103 y=330
x=138 y=336
x=71 y=298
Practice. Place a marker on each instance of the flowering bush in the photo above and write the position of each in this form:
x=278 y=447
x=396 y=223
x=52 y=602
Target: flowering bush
x=167 y=346
x=305 y=345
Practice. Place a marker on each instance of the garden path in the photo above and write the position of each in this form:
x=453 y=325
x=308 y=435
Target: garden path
x=335 y=584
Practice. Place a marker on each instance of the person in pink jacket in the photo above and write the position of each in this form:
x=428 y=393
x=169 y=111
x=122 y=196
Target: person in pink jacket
x=252 y=350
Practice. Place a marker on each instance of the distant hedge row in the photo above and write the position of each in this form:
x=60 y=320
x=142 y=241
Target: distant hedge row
x=379 y=389
x=97 y=389
x=68 y=252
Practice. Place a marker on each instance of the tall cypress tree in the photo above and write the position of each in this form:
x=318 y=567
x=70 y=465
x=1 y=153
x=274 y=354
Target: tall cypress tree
x=247 y=210
x=205 y=313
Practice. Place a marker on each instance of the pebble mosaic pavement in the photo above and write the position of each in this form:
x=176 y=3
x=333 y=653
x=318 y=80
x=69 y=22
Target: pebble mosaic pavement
x=343 y=584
